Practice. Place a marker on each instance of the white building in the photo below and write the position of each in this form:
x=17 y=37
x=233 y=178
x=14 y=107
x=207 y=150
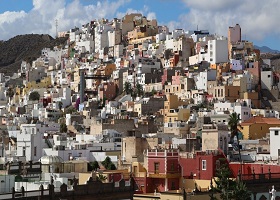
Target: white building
x=216 y=52
x=266 y=80
x=202 y=79
x=101 y=36
x=241 y=107
x=274 y=135
x=30 y=141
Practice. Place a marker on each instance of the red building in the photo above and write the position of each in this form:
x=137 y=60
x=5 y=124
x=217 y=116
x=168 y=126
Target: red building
x=163 y=170
x=202 y=165
x=248 y=169
x=107 y=90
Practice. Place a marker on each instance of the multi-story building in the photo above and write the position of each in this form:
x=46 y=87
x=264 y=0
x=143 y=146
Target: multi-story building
x=257 y=127
x=215 y=137
x=163 y=169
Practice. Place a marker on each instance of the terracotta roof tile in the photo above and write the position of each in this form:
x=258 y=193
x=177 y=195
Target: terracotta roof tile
x=261 y=120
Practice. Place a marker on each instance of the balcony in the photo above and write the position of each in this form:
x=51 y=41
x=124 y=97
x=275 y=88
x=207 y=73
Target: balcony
x=167 y=175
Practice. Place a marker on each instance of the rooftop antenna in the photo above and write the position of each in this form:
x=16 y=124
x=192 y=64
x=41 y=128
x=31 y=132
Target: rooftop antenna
x=56 y=25
x=197 y=27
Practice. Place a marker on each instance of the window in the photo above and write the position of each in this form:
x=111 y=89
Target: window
x=203 y=164
x=172 y=185
x=172 y=166
x=156 y=167
x=276 y=133
x=35 y=151
x=23 y=151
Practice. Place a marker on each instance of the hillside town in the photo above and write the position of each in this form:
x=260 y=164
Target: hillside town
x=142 y=108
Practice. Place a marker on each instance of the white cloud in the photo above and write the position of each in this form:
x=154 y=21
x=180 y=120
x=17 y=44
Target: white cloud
x=145 y=11
x=151 y=15
x=41 y=18
x=256 y=18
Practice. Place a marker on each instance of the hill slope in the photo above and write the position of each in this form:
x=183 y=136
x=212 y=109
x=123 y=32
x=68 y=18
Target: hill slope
x=265 y=49
x=24 y=47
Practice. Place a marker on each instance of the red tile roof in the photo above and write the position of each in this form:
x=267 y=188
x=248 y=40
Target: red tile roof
x=261 y=120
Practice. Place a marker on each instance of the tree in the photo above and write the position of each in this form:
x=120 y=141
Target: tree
x=223 y=182
x=34 y=96
x=127 y=88
x=139 y=90
x=233 y=123
x=60 y=104
x=240 y=191
x=133 y=94
x=70 y=110
x=63 y=128
x=10 y=93
x=108 y=164
x=212 y=191
x=227 y=187
x=101 y=177
x=94 y=166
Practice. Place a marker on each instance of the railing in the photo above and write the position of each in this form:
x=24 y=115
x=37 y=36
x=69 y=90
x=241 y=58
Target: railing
x=266 y=177
x=25 y=194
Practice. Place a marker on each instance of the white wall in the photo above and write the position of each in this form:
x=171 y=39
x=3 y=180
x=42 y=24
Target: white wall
x=219 y=49
x=266 y=80
x=274 y=140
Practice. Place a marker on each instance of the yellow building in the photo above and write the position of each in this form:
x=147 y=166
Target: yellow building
x=257 y=127
x=78 y=166
x=172 y=111
x=44 y=83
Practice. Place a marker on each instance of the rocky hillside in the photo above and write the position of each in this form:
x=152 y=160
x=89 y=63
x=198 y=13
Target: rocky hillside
x=24 y=47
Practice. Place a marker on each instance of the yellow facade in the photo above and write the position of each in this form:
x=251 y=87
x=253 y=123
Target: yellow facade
x=44 y=83
x=171 y=111
x=257 y=127
x=138 y=170
x=256 y=131
x=84 y=177
x=78 y=166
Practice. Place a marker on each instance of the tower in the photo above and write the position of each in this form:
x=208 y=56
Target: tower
x=234 y=36
x=82 y=85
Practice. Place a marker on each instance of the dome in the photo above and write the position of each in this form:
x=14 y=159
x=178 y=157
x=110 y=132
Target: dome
x=47 y=160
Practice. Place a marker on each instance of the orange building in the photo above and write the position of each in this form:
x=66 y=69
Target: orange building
x=257 y=127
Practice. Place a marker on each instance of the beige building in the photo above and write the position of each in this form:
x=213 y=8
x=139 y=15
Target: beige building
x=214 y=137
x=133 y=148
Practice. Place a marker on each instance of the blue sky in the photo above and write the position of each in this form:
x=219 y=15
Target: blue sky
x=259 y=22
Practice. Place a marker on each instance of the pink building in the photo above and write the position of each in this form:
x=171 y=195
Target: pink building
x=234 y=34
x=176 y=78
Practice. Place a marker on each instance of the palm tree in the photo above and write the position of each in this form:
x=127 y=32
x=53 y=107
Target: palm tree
x=127 y=88
x=234 y=119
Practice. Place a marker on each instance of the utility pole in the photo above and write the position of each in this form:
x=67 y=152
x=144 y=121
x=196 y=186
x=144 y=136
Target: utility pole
x=56 y=25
